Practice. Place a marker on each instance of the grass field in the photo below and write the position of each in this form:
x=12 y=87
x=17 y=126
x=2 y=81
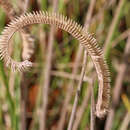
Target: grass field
x=63 y=75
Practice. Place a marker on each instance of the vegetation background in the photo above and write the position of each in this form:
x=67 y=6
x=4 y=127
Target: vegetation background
x=58 y=59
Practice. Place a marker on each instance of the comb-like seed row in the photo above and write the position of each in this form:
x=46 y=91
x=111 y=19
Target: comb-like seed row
x=77 y=32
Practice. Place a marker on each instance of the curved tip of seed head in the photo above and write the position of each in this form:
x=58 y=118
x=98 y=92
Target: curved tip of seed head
x=101 y=114
x=27 y=63
x=21 y=66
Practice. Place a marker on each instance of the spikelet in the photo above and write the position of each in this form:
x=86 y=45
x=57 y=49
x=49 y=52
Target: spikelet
x=28 y=40
x=77 y=32
x=28 y=45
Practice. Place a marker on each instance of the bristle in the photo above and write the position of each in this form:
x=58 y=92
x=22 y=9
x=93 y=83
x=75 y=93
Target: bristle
x=85 y=38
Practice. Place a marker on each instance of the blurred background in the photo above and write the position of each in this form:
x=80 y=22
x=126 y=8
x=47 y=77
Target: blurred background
x=58 y=60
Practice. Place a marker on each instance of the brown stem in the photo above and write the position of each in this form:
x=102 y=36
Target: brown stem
x=85 y=101
x=92 y=121
x=47 y=73
x=123 y=35
x=75 y=69
x=69 y=90
x=78 y=92
x=82 y=108
x=108 y=44
x=23 y=106
x=69 y=76
x=126 y=121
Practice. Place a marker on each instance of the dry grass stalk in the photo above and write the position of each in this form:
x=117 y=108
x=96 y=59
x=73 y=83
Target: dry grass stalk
x=28 y=50
x=69 y=76
x=76 y=31
x=106 y=5
x=87 y=23
x=81 y=109
x=69 y=90
x=126 y=121
x=26 y=5
x=123 y=35
x=11 y=83
x=47 y=73
x=89 y=14
x=74 y=109
x=92 y=121
x=69 y=65
x=23 y=102
x=75 y=69
x=42 y=37
x=113 y=25
x=117 y=88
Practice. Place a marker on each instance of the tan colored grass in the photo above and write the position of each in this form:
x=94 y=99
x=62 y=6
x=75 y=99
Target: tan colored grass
x=86 y=39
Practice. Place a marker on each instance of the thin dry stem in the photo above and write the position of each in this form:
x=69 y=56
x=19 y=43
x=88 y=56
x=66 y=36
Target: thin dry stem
x=69 y=90
x=107 y=4
x=78 y=92
x=81 y=109
x=109 y=121
x=11 y=83
x=123 y=35
x=126 y=121
x=87 y=23
x=75 y=69
x=89 y=14
x=47 y=73
x=69 y=65
x=26 y=5
x=113 y=25
x=47 y=80
x=11 y=13
x=23 y=102
x=120 y=76
x=23 y=5
x=69 y=76
x=92 y=121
